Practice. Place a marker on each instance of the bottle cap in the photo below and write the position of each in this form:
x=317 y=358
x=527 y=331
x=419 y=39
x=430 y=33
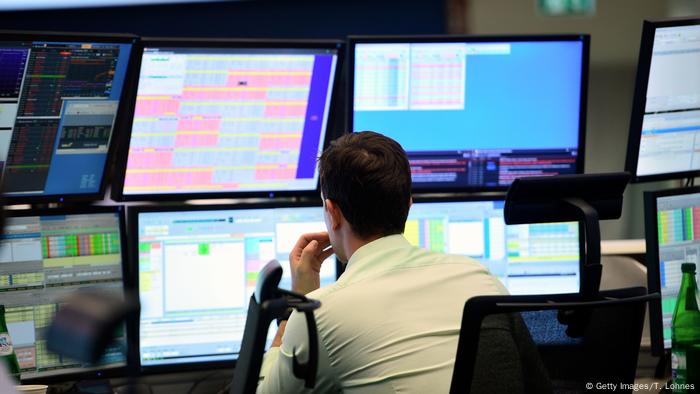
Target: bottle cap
x=688 y=267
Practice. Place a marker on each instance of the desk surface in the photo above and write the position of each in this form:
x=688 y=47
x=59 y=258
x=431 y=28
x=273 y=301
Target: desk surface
x=623 y=246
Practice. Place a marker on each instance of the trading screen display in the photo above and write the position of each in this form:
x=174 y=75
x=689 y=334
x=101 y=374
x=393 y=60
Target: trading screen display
x=222 y=120
x=538 y=258
x=216 y=255
x=671 y=121
x=473 y=115
x=43 y=259
x=678 y=224
x=58 y=105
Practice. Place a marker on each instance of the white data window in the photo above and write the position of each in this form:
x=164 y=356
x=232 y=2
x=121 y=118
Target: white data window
x=199 y=277
x=288 y=233
x=466 y=238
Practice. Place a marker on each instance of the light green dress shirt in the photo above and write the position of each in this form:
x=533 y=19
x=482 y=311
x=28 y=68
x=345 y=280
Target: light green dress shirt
x=390 y=323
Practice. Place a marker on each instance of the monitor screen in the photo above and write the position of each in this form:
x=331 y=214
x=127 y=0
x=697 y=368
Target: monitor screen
x=229 y=120
x=44 y=257
x=215 y=254
x=529 y=259
x=475 y=113
x=666 y=111
x=58 y=107
x=673 y=238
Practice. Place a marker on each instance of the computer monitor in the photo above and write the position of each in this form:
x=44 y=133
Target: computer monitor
x=44 y=256
x=672 y=223
x=60 y=98
x=215 y=253
x=666 y=108
x=474 y=112
x=228 y=118
x=541 y=258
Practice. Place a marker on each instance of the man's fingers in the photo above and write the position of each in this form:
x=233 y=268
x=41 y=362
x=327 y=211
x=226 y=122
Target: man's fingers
x=305 y=239
x=320 y=237
x=310 y=250
x=325 y=254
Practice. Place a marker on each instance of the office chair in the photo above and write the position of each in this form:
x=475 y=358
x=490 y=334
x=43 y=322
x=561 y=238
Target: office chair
x=267 y=304
x=585 y=198
x=494 y=335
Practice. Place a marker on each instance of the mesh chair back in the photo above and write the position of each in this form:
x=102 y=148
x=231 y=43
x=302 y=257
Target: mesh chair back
x=543 y=356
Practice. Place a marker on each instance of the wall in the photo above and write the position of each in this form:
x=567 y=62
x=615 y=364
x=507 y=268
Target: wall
x=251 y=18
x=615 y=31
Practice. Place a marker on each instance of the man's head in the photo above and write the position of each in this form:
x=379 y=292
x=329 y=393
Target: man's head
x=365 y=181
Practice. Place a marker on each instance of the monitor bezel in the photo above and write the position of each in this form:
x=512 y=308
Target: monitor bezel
x=652 y=261
x=99 y=372
x=133 y=226
x=583 y=99
x=116 y=38
x=120 y=169
x=639 y=100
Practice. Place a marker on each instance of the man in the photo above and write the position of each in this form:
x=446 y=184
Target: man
x=391 y=321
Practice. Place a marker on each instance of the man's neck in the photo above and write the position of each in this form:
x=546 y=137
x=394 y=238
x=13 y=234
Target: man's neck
x=353 y=243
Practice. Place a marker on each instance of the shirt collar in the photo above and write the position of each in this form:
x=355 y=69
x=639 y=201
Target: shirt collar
x=368 y=253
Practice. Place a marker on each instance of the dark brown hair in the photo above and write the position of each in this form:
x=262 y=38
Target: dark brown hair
x=368 y=176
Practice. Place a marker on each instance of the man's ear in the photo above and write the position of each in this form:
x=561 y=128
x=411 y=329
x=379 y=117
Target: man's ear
x=334 y=213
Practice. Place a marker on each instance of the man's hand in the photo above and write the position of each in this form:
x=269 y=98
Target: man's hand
x=305 y=261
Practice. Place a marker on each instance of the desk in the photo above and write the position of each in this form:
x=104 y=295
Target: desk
x=623 y=247
x=634 y=248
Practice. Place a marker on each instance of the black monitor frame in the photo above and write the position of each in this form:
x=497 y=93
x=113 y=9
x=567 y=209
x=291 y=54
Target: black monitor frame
x=640 y=100
x=104 y=371
x=652 y=263
x=584 y=38
x=133 y=226
x=120 y=168
x=119 y=124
